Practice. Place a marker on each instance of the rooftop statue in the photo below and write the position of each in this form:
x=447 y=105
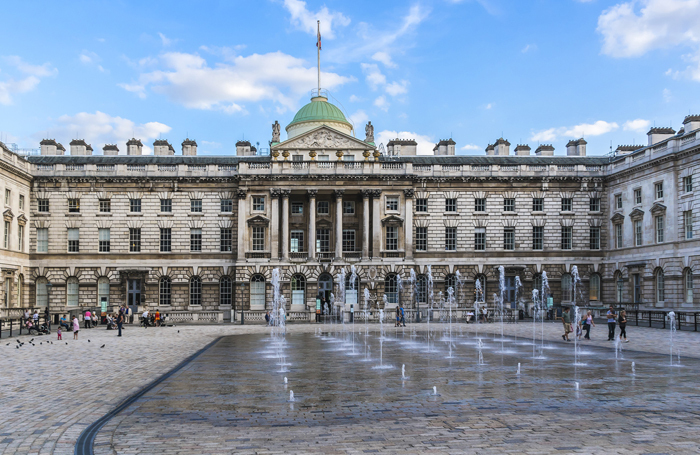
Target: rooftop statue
x=369 y=132
x=276 y=131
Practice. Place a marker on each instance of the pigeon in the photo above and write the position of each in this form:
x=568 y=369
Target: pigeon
x=102 y=346
x=88 y=341
x=66 y=343
x=178 y=331
x=17 y=347
x=7 y=344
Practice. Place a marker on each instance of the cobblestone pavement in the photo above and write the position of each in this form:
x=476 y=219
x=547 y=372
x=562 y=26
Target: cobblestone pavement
x=50 y=392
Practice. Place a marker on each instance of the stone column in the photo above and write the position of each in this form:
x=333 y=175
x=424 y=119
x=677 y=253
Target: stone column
x=408 y=224
x=312 y=223
x=274 y=223
x=285 y=223
x=242 y=231
x=376 y=224
x=339 y=223
x=365 y=223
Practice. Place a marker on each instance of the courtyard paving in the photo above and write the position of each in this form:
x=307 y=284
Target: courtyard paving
x=230 y=400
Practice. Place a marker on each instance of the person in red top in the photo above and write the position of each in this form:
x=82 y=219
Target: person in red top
x=157 y=318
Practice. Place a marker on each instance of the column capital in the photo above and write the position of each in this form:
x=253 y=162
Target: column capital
x=376 y=193
x=339 y=193
x=409 y=192
x=241 y=193
x=275 y=192
x=366 y=194
x=285 y=192
x=312 y=192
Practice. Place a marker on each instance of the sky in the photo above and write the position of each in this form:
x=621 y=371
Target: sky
x=531 y=71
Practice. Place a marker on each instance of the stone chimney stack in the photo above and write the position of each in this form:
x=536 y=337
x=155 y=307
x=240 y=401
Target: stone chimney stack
x=134 y=147
x=522 y=150
x=162 y=147
x=545 y=150
x=48 y=147
x=576 y=148
x=490 y=150
x=110 y=149
x=402 y=147
x=571 y=148
x=242 y=148
x=189 y=147
x=444 y=147
x=691 y=123
x=625 y=149
x=502 y=147
x=78 y=147
x=656 y=135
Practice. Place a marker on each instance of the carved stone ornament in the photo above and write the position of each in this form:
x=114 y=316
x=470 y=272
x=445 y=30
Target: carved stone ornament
x=376 y=193
x=312 y=154
x=312 y=192
x=376 y=155
x=325 y=138
x=366 y=154
x=285 y=192
x=258 y=220
x=241 y=193
x=339 y=193
x=366 y=193
x=275 y=192
x=409 y=192
x=275 y=154
x=285 y=154
x=339 y=154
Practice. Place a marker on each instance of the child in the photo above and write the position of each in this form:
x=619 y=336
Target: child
x=59 y=333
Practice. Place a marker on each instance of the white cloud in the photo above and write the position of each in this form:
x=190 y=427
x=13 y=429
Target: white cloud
x=470 y=147
x=633 y=28
x=359 y=118
x=397 y=88
x=189 y=80
x=100 y=128
x=354 y=98
x=90 y=58
x=373 y=75
x=582 y=130
x=165 y=40
x=305 y=20
x=639 y=125
x=667 y=95
x=489 y=106
x=32 y=76
x=384 y=58
x=425 y=143
x=528 y=48
x=382 y=103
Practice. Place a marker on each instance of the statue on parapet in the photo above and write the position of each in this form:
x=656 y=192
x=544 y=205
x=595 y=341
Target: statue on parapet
x=276 y=131
x=369 y=132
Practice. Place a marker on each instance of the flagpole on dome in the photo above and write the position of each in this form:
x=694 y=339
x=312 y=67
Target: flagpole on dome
x=318 y=51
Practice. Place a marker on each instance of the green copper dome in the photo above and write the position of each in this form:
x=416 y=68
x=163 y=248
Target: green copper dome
x=319 y=110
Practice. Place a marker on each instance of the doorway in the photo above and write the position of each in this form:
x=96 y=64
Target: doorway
x=325 y=287
x=509 y=292
x=133 y=294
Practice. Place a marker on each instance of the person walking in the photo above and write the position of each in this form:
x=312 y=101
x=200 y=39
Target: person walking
x=47 y=318
x=566 y=319
x=403 y=320
x=120 y=321
x=622 y=320
x=76 y=327
x=157 y=320
x=144 y=317
x=88 y=317
x=59 y=333
x=267 y=318
x=398 y=317
x=588 y=322
x=611 y=323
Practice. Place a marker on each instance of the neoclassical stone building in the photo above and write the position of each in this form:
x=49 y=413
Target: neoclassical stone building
x=199 y=236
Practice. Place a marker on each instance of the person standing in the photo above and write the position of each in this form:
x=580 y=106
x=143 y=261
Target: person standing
x=120 y=322
x=267 y=318
x=622 y=320
x=144 y=316
x=403 y=320
x=611 y=323
x=566 y=319
x=588 y=322
x=47 y=318
x=398 y=317
x=157 y=320
x=26 y=315
x=88 y=317
x=76 y=327
x=35 y=318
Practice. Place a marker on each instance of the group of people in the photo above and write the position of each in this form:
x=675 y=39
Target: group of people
x=399 y=317
x=586 y=322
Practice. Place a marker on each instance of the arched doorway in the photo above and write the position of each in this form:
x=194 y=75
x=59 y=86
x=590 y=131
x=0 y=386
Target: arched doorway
x=325 y=286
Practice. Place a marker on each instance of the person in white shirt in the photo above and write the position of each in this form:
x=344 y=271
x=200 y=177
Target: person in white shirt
x=144 y=318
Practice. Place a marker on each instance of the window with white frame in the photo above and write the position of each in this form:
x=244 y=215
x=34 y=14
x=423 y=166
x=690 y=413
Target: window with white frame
x=258 y=238
x=619 y=287
x=298 y=289
x=509 y=238
x=659 y=190
x=195 y=290
x=73 y=205
x=43 y=205
x=297 y=208
x=392 y=238
x=392 y=204
x=688 y=285
x=618 y=236
x=637 y=196
x=135 y=240
x=349 y=240
x=225 y=239
x=421 y=239
x=509 y=204
x=165 y=240
x=537 y=237
x=42 y=292
x=195 y=239
x=566 y=288
x=196 y=205
x=538 y=204
x=135 y=205
x=660 y=286
x=105 y=205
x=73 y=240
x=480 y=204
x=688 y=224
x=450 y=205
x=226 y=205
x=594 y=287
x=296 y=245
x=164 y=291
x=688 y=184
x=72 y=291
x=618 y=201
x=594 y=238
x=323 y=240
x=42 y=240
x=348 y=207
x=450 y=239
x=421 y=205
x=8 y=195
x=258 y=203
x=391 y=288
x=480 y=239
x=566 y=237
x=6 y=239
x=225 y=290
x=638 y=233
x=20 y=237
x=594 y=204
x=422 y=288
x=166 y=205
x=21 y=202
x=567 y=204
x=257 y=291
x=323 y=208
x=103 y=240
x=659 y=224
x=102 y=289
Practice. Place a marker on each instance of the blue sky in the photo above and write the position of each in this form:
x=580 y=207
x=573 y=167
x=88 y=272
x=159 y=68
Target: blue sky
x=539 y=71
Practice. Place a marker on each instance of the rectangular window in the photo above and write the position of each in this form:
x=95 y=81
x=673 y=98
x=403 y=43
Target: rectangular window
x=135 y=205
x=450 y=205
x=537 y=237
x=225 y=239
x=422 y=205
x=166 y=205
x=196 y=205
x=659 y=221
x=226 y=205
x=618 y=236
x=618 y=202
x=297 y=158
x=594 y=238
x=450 y=239
x=21 y=202
x=688 y=224
x=258 y=238
x=103 y=240
x=6 y=241
x=594 y=204
x=195 y=239
x=637 y=196
x=480 y=239
x=348 y=207
x=135 y=240
x=165 y=239
x=73 y=205
x=687 y=184
x=7 y=197
x=323 y=208
x=348 y=157
x=392 y=204
x=349 y=240
x=105 y=205
x=638 y=233
x=392 y=238
x=566 y=204
x=323 y=157
x=20 y=237
x=509 y=205
x=297 y=242
x=258 y=203
x=297 y=208
x=637 y=283
x=538 y=204
x=659 y=190
x=566 y=236
x=323 y=240
x=43 y=205
x=73 y=240
x=421 y=239
x=480 y=205
x=42 y=240
x=509 y=238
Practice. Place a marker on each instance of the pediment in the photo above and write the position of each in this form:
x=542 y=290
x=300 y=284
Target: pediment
x=324 y=224
x=258 y=220
x=617 y=218
x=323 y=138
x=392 y=220
x=22 y=220
x=657 y=209
x=636 y=214
x=8 y=215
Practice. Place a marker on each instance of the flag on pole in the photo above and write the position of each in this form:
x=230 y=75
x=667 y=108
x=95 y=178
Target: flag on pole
x=318 y=36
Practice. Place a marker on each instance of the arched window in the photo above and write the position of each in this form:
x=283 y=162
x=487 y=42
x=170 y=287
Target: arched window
x=195 y=291
x=480 y=288
x=20 y=287
x=451 y=282
x=257 y=291
x=594 y=287
x=103 y=290
x=422 y=289
x=72 y=288
x=42 y=292
x=351 y=289
x=659 y=285
x=225 y=290
x=298 y=289
x=390 y=288
x=688 y=285
x=164 y=295
x=566 y=288
x=619 y=287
